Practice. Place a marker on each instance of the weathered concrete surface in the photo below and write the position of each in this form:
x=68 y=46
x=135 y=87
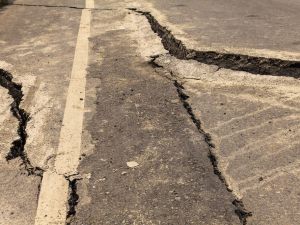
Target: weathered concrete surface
x=254 y=122
x=65 y=3
x=19 y=194
x=17 y=190
x=42 y=61
x=6 y=100
x=258 y=27
x=37 y=54
x=133 y=114
x=137 y=116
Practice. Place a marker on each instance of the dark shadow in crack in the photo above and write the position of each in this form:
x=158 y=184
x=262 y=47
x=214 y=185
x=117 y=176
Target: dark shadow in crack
x=177 y=49
x=18 y=146
x=238 y=62
x=4 y=4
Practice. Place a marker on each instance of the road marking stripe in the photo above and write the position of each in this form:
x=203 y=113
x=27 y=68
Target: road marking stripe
x=52 y=207
x=70 y=135
x=90 y=4
x=53 y=198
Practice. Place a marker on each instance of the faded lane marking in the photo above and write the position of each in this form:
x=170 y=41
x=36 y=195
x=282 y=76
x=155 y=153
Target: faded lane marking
x=52 y=205
x=70 y=136
x=90 y=4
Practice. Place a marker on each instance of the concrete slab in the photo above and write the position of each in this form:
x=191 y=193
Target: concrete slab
x=137 y=116
x=40 y=58
x=232 y=25
x=134 y=115
x=254 y=123
x=18 y=192
x=65 y=3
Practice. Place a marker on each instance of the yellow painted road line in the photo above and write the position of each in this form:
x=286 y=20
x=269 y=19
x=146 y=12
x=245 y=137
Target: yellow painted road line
x=52 y=205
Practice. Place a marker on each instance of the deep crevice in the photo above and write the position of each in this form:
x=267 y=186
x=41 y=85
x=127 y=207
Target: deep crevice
x=240 y=210
x=238 y=62
x=18 y=146
x=72 y=201
x=177 y=49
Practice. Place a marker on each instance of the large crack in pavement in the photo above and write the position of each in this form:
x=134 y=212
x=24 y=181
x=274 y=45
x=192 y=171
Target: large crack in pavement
x=73 y=199
x=177 y=49
x=241 y=211
x=18 y=146
x=238 y=62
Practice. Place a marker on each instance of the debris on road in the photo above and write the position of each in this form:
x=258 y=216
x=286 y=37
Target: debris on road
x=132 y=164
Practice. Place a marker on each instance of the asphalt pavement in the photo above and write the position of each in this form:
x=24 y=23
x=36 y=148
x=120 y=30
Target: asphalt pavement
x=149 y=112
x=235 y=25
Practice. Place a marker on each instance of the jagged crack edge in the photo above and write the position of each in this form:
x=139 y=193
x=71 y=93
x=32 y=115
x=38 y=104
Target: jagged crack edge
x=181 y=52
x=240 y=210
x=18 y=146
x=238 y=62
x=73 y=200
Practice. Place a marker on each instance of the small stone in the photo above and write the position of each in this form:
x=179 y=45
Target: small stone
x=174 y=101
x=124 y=173
x=191 y=55
x=102 y=179
x=177 y=198
x=132 y=164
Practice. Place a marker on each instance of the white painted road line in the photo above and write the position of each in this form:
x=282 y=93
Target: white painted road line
x=90 y=4
x=52 y=205
x=70 y=136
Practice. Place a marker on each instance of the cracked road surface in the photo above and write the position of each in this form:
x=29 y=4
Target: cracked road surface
x=149 y=112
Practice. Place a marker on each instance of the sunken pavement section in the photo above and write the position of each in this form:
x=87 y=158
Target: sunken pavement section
x=214 y=137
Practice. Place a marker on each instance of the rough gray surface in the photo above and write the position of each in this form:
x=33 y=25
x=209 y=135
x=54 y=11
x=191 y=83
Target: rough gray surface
x=134 y=114
x=254 y=123
x=139 y=117
x=258 y=24
x=48 y=3
x=39 y=57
